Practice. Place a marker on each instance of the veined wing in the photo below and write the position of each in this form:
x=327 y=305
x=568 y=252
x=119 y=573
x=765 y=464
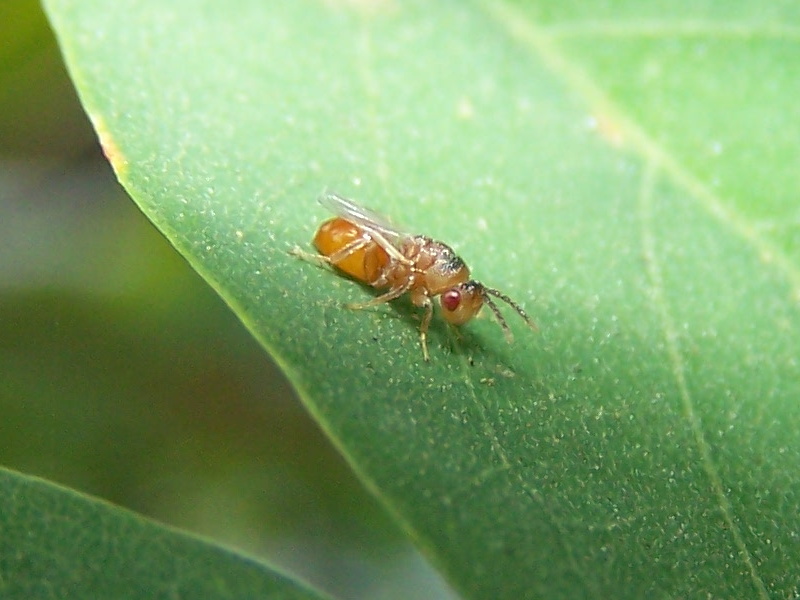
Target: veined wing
x=361 y=216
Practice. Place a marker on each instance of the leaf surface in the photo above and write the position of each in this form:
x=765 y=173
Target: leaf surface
x=625 y=171
x=55 y=543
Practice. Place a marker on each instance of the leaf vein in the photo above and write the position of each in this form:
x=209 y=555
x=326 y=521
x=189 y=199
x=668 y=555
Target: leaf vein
x=531 y=492
x=673 y=29
x=537 y=39
x=678 y=368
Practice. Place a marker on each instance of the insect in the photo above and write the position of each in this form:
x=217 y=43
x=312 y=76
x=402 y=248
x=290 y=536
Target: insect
x=366 y=247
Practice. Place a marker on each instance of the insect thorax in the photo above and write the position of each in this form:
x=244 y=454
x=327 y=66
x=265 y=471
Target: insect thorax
x=437 y=263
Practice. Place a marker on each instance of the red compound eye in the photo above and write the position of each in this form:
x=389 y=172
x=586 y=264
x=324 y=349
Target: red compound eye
x=451 y=299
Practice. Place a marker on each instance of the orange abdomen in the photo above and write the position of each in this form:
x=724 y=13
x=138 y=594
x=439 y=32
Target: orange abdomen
x=365 y=264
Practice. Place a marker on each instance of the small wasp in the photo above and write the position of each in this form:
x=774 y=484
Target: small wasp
x=365 y=246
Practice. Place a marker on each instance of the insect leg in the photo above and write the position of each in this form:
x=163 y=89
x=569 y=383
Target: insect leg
x=423 y=329
x=311 y=257
x=347 y=250
x=393 y=293
x=388 y=247
x=334 y=258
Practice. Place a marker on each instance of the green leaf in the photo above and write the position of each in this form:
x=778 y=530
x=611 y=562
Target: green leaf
x=55 y=543
x=625 y=171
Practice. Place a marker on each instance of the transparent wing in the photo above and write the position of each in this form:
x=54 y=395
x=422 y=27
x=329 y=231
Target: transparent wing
x=363 y=217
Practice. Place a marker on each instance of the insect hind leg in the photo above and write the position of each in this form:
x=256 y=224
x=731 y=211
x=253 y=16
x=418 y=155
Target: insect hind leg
x=311 y=257
x=333 y=259
x=347 y=250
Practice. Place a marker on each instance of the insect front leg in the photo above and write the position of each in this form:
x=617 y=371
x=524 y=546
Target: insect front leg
x=423 y=328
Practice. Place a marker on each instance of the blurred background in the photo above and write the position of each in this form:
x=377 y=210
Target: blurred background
x=124 y=376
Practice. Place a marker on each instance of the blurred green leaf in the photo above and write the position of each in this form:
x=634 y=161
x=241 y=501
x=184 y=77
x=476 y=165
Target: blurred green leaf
x=55 y=543
x=625 y=171
x=126 y=377
x=39 y=113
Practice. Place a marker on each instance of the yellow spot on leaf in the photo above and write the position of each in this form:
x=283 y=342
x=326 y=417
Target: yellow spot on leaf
x=608 y=129
x=110 y=149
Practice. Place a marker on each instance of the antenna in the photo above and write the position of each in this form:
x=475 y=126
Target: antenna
x=487 y=291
